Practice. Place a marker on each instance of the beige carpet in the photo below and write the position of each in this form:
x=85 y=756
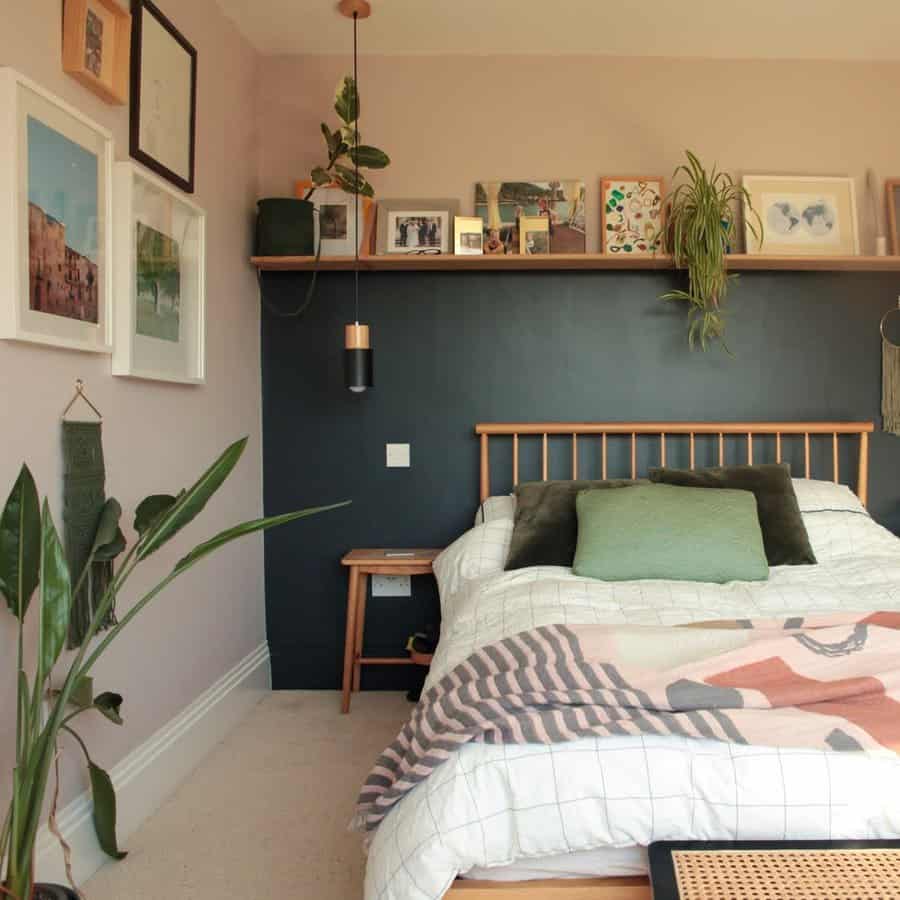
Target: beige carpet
x=265 y=816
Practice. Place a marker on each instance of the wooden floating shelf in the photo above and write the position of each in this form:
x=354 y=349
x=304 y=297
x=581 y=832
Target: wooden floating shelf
x=569 y=261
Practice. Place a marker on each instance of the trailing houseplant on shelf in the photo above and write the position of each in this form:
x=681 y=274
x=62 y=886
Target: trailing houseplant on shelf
x=701 y=232
x=286 y=225
x=32 y=563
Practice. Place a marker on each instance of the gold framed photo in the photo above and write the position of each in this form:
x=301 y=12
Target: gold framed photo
x=468 y=232
x=534 y=235
x=97 y=47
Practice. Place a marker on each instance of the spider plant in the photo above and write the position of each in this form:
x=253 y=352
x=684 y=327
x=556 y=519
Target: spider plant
x=702 y=228
x=32 y=562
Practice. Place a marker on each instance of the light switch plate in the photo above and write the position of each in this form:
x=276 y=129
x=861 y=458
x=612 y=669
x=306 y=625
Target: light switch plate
x=397 y=456
x=391 y=586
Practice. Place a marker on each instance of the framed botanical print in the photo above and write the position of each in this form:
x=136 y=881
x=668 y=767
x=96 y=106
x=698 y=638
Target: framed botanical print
x=97 y=47
x=163 y=96
x=55 y=224
x=631 y=215
x=160 y=250
x=804 y=215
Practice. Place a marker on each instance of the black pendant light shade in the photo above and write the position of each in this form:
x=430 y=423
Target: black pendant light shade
x=357 y=357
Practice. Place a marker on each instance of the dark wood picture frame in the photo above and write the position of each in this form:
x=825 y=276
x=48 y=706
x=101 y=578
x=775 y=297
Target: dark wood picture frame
x=140 y=8
x=892 y=202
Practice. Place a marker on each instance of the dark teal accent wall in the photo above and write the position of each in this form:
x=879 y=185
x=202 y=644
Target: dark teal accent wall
x=455 y=348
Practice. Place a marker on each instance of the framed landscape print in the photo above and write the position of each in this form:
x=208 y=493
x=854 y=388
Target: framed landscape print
x=55 y=227
x=631 y=215
x=160 y=248
x=163 y=96
x=335 y=219
x=803 y=215
x=97 y=47
x=501 y=204
x=418 y=225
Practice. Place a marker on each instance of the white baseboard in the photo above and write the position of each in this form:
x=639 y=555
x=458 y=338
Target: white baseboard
x=153 y=770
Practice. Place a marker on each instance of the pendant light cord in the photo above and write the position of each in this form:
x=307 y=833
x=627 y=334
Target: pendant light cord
x=356 y=172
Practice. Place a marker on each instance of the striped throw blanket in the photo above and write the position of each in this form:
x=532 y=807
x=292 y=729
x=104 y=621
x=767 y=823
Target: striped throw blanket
x=827 y=682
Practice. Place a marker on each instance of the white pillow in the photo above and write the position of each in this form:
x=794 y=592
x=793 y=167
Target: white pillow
x=825 y=496
x=500 y=507
x=482 y=550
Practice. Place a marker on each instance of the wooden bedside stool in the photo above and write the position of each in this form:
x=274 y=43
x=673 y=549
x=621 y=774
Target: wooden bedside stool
x=362 y=564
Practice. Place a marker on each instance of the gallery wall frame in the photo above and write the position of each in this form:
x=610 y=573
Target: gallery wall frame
x=163 y=111
x=55 y=220
x=160 y=280
x=97 y=47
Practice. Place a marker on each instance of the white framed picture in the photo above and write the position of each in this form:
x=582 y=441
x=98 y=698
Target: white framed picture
x=55 y=221
x=160 y=251
x=335 y=221
x=418 y=231
x=803 y=215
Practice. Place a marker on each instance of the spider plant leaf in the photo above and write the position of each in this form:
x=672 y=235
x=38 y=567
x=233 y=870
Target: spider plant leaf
x=20 y=544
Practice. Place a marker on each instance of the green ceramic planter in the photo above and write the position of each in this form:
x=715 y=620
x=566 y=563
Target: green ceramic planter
x=284 y=227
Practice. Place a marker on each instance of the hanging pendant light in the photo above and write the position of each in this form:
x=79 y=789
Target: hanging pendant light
x=357 y=340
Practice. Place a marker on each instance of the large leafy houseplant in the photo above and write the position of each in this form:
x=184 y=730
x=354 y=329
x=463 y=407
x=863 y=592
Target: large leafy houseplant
x=702 y=228
x=342 y=152
x=32 y=563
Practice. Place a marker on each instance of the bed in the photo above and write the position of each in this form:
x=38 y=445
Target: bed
x=570 y=821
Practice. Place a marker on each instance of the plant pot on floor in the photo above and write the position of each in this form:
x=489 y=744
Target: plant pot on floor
x=285 y=227
x=53 y=892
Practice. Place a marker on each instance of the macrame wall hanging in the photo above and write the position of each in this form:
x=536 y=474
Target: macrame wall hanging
x=84 y=494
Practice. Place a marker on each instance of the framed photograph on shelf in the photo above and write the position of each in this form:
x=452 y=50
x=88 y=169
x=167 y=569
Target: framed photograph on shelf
x=803 y=215
x=500 y=205
x=534 y=235
x=468 y=235
x=55 y=227
x=97 y=47
x=160 y=250
x=631 y=215
x=892 y=198
x=335 y=219
x=163 y=96
x=414 y=226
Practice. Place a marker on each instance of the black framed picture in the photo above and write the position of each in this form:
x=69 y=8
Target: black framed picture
x=163 y=96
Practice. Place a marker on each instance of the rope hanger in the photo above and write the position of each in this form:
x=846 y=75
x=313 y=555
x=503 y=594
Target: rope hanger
x=80 y=393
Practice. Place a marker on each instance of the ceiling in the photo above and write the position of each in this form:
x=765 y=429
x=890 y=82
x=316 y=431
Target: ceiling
x=727 y=29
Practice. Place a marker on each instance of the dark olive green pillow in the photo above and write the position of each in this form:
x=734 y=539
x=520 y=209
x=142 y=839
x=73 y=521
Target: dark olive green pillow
x=667 y=532
x=783 y=531
x=546 y=524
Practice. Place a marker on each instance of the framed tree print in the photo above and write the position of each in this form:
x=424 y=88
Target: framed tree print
x=160 y=249
x=163 y=96
x=55 y=220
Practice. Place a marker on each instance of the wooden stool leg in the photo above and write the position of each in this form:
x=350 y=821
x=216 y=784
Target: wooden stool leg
x=350 y=638
x=362 y=592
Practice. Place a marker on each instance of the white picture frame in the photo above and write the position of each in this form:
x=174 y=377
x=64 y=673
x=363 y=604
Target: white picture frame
x=160 y=280
x=55 y=221
x=803 y=215
x=335 y=220
x=388 y=209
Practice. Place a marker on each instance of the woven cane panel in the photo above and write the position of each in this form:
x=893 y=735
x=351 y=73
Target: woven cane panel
x=787 y=874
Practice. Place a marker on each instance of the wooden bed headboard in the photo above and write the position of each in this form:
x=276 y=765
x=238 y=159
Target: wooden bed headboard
x=745 y=430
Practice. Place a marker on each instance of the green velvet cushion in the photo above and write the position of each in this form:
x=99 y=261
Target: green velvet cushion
x=546 y=526
x=784 y=534
x=668 y=532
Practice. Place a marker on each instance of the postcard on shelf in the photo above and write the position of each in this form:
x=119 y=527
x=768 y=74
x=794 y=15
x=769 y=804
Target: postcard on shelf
x=534 y=235
x=469 y=235
x=501 y=205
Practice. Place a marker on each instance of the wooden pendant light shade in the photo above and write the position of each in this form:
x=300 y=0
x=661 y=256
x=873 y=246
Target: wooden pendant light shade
x=362 y=8
x=356 y=337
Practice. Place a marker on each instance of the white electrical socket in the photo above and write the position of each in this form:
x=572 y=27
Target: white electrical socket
x=391 y=586
x=397 y=456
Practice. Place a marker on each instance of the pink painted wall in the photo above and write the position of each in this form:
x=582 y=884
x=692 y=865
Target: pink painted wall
x=157 y=437
x=449 y=121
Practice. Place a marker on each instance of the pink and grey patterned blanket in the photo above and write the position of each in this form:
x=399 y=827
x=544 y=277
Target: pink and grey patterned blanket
x=827 y=682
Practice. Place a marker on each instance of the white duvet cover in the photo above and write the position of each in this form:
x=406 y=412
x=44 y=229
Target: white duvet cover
x=490 y=806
